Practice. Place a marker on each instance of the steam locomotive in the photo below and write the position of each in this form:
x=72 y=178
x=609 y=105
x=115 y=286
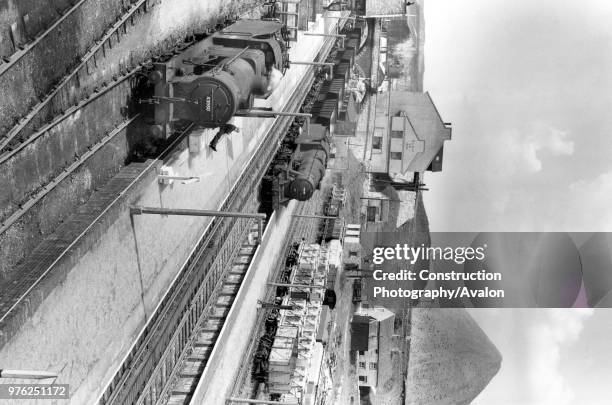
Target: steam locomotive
x=217 y=78
x=300 y=164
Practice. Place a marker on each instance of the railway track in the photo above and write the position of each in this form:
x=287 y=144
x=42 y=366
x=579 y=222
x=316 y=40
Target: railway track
x=15 y=141
x=72 y=93
x=68 y=93
x=157 y=368
x=42 y=192
x=300 y=229
x=22 y=49
x=148 y=366
x=194 y=358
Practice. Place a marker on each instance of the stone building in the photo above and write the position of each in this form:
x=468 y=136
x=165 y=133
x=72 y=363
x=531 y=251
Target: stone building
x=408 y=134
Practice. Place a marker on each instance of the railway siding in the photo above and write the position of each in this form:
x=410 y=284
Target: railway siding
x=40 y=162
x=217 y=381
x=29 y=74
x=45 y=216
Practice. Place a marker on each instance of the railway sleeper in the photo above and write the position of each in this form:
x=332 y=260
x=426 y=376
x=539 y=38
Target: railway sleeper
x=206 y=344
x=200 y=353
x=212 y=325
x=220 y=311
x=234 y=278
x=247 y=250
x=224 y=302
x=229 y=289
x=239 y=269
x=179 y=399
x=185 y=385
x=205 y=336
x=243 y=259
x=192 y=369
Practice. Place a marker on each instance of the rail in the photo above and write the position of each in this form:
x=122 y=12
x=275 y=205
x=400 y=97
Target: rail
x=14 y=217
x=66 y=89
x=9 y=61
x=74 y=75
x=298 y=232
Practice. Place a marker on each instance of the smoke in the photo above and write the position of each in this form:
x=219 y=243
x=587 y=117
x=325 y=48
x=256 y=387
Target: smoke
x=274 y=79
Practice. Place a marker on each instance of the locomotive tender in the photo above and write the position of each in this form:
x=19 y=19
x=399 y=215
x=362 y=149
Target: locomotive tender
x=296 y=174
x=300 y=165
x=213 y=80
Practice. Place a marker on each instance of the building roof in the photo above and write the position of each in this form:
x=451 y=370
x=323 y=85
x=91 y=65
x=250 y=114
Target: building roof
x=360 y=329
x=385 y=7
x=376 y=313
x=424 y=130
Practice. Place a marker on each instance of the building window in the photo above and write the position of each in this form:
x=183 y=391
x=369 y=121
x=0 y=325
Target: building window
x=371 y=214
x=377 y=142
x=362 y=364
x=363 y=378
x=395 y=155
x=361 y=352
x=397 y=134
x=372 y=366
x=352 y=253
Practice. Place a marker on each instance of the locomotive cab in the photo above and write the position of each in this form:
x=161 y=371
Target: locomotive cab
x=266 y=36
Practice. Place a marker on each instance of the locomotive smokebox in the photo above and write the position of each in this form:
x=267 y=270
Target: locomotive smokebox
x=300 y=189
x=213 y=98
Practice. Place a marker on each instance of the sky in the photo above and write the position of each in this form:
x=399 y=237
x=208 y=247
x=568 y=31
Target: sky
x=550 y=356
x=527 y=85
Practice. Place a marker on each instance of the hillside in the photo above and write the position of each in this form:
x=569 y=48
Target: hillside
x=416 y=232
x=451 y=359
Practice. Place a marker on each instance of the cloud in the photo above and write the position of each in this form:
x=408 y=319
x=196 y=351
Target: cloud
x=556 y=330
x=522 y=150
x=590 y=204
